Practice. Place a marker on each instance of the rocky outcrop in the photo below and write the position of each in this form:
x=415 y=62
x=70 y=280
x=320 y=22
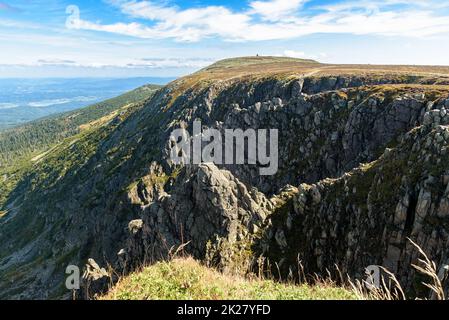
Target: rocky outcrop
x=205 y=204
x=328 y=134
x=366 y=216
x=95 y=281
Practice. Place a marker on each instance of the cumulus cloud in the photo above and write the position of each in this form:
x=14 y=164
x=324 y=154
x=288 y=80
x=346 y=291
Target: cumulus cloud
x=275 y=10
x=188 y=25
x=274 y=19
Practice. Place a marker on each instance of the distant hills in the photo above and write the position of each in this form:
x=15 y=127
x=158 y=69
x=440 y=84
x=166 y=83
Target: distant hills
x=20 y=145
x=24 y=100
x=39 y=134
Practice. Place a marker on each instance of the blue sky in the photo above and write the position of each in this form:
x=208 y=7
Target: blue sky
x=124 y=38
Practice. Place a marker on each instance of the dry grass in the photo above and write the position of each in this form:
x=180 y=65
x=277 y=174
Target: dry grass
x=277 y=65
x=429 y=269
x=257 y=68
x=274 y=65
x=187 y=279
x=391 y=289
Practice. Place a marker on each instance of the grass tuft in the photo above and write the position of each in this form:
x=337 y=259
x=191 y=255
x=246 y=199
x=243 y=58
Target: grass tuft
x=187 y=279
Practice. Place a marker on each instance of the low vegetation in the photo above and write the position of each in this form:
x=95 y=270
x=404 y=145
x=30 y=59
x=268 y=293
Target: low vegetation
x=26 y=145
x=37 y=136
x=186 y=279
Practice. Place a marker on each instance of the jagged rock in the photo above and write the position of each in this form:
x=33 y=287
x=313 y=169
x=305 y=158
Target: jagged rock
x=93 y=271
x=280 y=238
x=205 y=202
x=366 y=216
x=135 y=226
x=95 y=280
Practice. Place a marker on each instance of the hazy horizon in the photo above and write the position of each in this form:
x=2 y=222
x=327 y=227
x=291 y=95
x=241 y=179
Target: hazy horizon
x=27 y=99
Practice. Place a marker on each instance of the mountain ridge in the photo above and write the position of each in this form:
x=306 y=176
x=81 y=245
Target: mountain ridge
x=331 y=122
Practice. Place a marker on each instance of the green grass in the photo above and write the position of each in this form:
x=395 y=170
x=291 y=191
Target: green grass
x=25 y=146
x=186 y=279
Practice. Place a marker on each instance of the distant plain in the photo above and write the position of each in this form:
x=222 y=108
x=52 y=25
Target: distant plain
x=24 y=100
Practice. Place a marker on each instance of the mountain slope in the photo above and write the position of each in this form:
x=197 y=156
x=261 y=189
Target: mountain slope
x=22 y=146
x=37 y=135
x=79 y=200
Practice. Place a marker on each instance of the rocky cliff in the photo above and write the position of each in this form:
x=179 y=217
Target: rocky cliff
x=362 y=166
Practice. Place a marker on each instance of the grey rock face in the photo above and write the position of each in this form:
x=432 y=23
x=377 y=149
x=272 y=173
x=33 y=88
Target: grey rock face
x=366 y=216
x=204 y=203
x=95 y=280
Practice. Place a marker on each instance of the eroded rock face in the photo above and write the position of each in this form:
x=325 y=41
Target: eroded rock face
x=366 y=216
x=325 y=135
x=204 y=203
x=95 y=280
x=126 y=204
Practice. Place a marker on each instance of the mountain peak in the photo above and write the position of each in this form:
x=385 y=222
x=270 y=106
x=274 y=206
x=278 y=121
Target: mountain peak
x=256 y=60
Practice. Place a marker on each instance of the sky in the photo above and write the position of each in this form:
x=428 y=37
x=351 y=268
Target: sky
x=170 y=38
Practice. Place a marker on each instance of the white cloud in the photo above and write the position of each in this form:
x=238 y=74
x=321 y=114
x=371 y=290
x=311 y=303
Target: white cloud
x=147 y=9
x=280 y=19
x=169 y=63
x=53 y=102
x=7 y=23
x=274 y=10
x=188 y=25
x=55 y=62
x=294 y=54
x=378 y=4
x=301 y=55
x=4 y=105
